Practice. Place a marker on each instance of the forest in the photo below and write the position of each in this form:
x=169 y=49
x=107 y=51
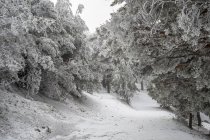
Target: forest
x=157 y=46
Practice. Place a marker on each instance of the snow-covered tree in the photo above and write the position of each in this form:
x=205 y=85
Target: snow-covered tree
x=115 y=65
x=169 y=41
x=43 y=48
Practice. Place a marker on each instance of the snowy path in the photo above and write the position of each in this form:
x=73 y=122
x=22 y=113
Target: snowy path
x=114 y=120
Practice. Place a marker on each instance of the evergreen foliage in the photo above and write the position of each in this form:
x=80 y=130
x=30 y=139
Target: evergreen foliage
x=168 y=41
x=43 y=48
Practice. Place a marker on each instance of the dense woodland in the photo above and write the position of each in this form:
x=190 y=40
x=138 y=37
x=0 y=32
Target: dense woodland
x=44 y=49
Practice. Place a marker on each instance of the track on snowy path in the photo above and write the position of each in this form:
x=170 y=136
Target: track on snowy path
x=145 y=120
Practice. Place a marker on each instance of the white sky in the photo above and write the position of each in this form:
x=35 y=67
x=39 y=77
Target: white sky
x=95 y=13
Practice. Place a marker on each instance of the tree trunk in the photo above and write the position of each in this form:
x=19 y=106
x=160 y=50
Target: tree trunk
x=190 y=121
x=104 y=82
x=108 y=87
x=142 y=85
x=199 y=119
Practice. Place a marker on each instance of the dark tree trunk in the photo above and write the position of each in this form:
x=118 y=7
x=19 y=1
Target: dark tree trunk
x=108 y=87
x=142 y=85
x=104 y=82
x=199 y=119
x=108 y=82
x=190 y=121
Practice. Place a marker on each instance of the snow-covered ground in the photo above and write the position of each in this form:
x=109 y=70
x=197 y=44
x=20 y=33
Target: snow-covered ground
x=100 y=116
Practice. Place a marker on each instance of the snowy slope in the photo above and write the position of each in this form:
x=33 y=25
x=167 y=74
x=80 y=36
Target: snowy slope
x=94 y=117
